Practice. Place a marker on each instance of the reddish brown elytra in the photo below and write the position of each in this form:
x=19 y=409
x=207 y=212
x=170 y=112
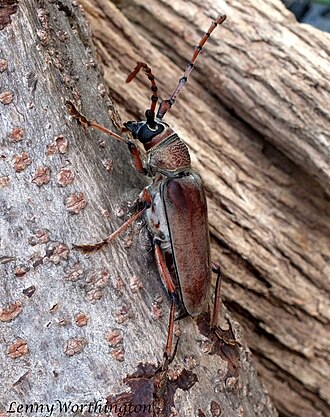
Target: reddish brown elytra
x=174 y=204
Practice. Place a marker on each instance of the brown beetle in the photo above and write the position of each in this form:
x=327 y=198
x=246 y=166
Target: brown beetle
x=174 y=204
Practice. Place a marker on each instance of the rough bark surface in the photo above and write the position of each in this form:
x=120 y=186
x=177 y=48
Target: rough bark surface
x=77 y=328
x=255 y=114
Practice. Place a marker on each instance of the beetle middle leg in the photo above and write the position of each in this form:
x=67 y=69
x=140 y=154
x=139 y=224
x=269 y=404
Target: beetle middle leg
x=145 y=199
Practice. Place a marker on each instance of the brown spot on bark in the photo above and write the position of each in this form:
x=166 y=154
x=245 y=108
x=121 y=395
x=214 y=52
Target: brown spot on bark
x=3 y=65
x=231 y=383
x=36 y=260
x=60 y=145
x=62 y=35
x=42 y=235
x=135 y=284
x=118 y=353
x=157 y=310
x=108 y=165
x=43 y=36
x=10 y=313
x=57 y=252
x=18 y=348
x=43 y=17
x=75 y=345
x=16 y=135
x=75 y=273
x=102 y=89
x=81 y=319
x=7 y=9
x=190 y=362
x=215 y=409
x=41 y=176
x=65 y=177
x=21 y=161
x=114 y=337
x=7 y=96
x=106 y=213
x=119 y=284
x=123 y=314
x=21 y=270
x=29 y=291
x=95 y=285
x=4 y=181
x=76 y=202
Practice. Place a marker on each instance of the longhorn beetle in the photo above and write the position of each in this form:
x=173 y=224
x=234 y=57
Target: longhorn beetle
x=174 y=204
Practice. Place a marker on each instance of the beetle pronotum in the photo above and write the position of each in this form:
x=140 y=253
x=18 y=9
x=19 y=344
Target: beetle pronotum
x=174 y=204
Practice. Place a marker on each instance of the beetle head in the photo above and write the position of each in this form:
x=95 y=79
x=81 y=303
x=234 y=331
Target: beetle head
x=145 y=130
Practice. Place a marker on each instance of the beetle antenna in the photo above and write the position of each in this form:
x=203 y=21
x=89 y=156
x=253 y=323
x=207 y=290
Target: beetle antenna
x=165 y=105
x=154 y=98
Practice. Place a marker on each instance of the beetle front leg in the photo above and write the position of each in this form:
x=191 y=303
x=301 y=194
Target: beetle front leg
x=138 y=163
x=81 y=119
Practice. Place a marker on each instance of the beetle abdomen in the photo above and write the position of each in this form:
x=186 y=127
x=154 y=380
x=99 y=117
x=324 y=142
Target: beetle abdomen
x=186 y=213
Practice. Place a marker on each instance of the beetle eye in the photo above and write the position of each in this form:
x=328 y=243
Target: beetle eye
x=142 y=131
x=147 y=133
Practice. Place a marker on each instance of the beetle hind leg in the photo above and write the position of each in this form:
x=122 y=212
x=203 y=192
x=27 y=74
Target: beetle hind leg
x=217 y=299
x=167 y=280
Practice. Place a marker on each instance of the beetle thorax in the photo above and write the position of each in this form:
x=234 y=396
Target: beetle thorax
x=168 y=153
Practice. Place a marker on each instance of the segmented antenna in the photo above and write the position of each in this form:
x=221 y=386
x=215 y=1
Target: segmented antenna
x=165 y=105
x=150 y=113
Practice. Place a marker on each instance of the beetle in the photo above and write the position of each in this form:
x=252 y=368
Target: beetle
x=174 y=204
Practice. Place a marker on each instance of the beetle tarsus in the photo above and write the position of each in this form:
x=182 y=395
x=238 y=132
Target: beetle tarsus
x=229 y=342
x=89 y=248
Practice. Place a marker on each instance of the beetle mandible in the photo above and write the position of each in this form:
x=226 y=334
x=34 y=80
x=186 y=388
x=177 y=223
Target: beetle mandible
x=174 y=203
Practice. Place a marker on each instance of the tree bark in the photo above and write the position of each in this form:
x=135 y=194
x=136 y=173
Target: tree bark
x=77 y=330
x=255 y=114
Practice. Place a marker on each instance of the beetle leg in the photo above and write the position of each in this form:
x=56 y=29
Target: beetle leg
x=217 y=298
x=96 y=246
x=144 y=198
x=167 y=280
x=75 y=113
